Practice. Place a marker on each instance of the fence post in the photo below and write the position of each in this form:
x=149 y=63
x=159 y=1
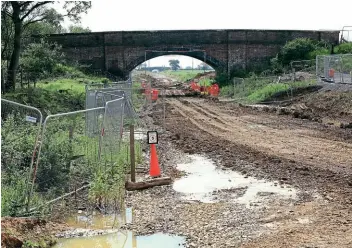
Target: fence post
x=3 y=76
x=133 y=163
x=21 y=78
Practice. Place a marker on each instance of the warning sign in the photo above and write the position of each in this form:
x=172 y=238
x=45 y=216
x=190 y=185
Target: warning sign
x=152 y=137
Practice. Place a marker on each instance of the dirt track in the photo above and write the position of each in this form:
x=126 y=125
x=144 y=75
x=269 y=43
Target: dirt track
x=268 y=133
x=305 y=154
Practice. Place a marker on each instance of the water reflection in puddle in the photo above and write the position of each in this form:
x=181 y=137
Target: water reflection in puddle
x=95 y=220
x=203 y=179
x=124 y=240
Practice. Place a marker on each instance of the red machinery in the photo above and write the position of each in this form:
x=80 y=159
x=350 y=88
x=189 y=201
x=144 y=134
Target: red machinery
x=212 y=90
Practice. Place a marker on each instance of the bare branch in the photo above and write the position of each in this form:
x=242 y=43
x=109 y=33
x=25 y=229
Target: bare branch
x=5 y=12
x=35 y=7
x=34 y=21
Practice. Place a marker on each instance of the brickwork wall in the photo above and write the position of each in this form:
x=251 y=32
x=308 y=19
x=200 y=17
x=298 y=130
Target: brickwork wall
x=226 y=50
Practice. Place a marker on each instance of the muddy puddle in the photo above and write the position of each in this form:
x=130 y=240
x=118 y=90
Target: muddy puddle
x=123 y=240
x=94 y=220
x=205 y=183
x=97 y=230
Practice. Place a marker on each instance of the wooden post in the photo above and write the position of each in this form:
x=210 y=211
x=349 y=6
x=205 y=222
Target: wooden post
x=133 y=164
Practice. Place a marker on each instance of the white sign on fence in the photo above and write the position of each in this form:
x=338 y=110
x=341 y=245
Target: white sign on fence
x=152 y=137
x=31 y=119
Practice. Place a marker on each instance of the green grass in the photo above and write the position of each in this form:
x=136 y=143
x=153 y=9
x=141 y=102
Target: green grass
x=75 y=85
x=268 y=91
x=182 y=75
x=252 y=90
x=55 y=95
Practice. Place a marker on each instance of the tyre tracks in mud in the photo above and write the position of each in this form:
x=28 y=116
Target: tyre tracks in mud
x=303 y=154
x=295 y=142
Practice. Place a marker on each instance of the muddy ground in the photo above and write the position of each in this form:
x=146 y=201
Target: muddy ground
x=307 y=155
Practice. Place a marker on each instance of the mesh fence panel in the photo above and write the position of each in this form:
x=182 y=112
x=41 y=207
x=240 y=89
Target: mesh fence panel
x=335 y=68
x=303 y=69
x=20 y=128
x=112 y=130
x=238 y=88
x=68 y=157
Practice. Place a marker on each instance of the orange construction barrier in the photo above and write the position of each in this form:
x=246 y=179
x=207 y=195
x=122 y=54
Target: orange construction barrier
x=331 y=73
x=195 y=86
x=155 y=94
x=154 y=163
x=215 y=90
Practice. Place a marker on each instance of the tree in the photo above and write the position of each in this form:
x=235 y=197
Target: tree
x=175 y=64
x=39 y=59
x=26 y=13
x=299 y=49
x=78 y=29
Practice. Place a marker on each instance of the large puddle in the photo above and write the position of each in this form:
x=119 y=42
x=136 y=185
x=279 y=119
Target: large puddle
x=123 y=240
x=91 y=225
x=204 y=181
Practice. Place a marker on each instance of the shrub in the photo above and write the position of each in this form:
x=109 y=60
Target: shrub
x=67 y=71
x=297 y=49
x=343 y=48
x=39 y=59
x=227 y=90
x=221 y=79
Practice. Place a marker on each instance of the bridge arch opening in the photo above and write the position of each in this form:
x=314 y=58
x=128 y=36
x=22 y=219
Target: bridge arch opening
x=181 y=68
x=198 y=56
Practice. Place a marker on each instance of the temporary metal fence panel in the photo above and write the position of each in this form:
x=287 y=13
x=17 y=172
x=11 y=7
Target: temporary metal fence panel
x=21 y=126
x=67 y=156
x=303 y=70
x=334 y=68
x=112 y=157
x=111 y=129
x=238 y=87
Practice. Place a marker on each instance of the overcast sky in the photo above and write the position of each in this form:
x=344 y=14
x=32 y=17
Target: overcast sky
x=117 y=15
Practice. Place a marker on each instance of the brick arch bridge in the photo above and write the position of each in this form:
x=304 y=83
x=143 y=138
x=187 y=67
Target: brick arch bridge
x=225 y=50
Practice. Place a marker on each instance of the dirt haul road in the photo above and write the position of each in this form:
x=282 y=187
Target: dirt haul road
x=314 y=158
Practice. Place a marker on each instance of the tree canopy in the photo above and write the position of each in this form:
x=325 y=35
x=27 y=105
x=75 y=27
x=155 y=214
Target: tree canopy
x=78 y=29
x=175 y=64
x=21 y=18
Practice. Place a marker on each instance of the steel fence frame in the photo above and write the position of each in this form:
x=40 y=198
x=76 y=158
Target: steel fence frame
x=104 y=123
x=43 y=139
x=35 y=142
x=334 y=68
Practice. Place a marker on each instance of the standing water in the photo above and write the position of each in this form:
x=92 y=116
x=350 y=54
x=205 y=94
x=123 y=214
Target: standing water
x=123 y=240
x=203 y=179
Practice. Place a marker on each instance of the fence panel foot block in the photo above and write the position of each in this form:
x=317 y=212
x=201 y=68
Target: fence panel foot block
x=148 y=184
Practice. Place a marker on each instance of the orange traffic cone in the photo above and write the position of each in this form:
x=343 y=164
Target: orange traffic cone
x=154 y=163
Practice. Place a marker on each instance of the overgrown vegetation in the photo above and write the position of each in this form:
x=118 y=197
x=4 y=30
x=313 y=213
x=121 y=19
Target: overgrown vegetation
x=68 y=157
x=254 y=89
